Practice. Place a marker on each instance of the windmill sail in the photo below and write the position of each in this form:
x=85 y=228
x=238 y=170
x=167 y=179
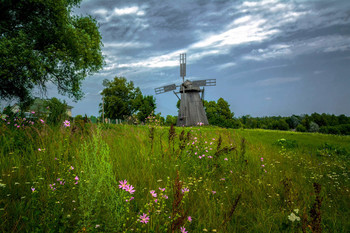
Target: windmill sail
x=205 y=82
x=163 y=89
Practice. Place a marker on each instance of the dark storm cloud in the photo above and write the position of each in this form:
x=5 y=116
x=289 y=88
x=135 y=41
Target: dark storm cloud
x=265 y=55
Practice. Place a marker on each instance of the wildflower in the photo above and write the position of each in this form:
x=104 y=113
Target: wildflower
x=33 y=112
x=262 y=159
x=263 y=165
x=200 y=157
x=76 y=178
x=213 y=192
x=33 y=189
x=292 y=217
x=162 y=189
x=225 y=159
x=156 y=200
x=165 y=196
x=123 y=184
x=222 y=179
x=183 y=230
x=154 y=194
x=185 y=190
x=296 y=210
x=210 y=157
x=71 y=168
x=97 y=226
x=130 y=189
x=189 y=218
x=144 y=218
x=39 y=149
x=42 y=121
x=66 y=123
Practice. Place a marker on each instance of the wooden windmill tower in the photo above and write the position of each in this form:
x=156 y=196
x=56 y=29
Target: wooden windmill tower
x=191 y=110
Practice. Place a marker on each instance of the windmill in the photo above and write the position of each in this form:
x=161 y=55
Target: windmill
x=191 y=110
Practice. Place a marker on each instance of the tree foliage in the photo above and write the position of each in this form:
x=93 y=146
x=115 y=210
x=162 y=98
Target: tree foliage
x=219 y=113
x=122 y=99
x=41 y=42
x=58 y=111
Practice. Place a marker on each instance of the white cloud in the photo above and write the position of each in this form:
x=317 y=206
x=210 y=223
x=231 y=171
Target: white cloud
x=129 y=11
x=276 y=81
x=268 y=98
x=225 y=66
x=292 y=49
x=101 y=11
x=127 y=45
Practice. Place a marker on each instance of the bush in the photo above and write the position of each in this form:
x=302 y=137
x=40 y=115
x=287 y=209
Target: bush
x=301 y=128
x=314 y=127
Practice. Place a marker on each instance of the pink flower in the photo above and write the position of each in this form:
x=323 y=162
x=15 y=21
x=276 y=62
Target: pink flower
x=213 y=192
x=262 y=159
x=165 y=196
x=185 y=190
x=39 y=149
x=66 y=123
x=183 y=230
x=210 y=157
x=156 y=200
x=76 y=178
x=33 y=112
x=200 y=157
x=42 y=121
x=33 y=189
x=222 y=179
x=144 y=218
x=131 y=198
x=130 y=189
x=71 y=168
x=263 y=165
x=154 y=194
x=162 y=189
x=189 y=218
x=123 y=184
x=225 y=159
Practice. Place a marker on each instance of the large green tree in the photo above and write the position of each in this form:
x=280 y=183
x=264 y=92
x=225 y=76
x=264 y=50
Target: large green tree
x=41 y=41
x=219 y=113
x=122 y=99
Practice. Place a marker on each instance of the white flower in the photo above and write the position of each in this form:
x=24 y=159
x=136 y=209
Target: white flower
x=292 y=217
x=296 y=210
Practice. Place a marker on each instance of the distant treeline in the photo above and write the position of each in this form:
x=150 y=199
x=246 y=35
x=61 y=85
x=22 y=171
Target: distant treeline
x=219 y=114
x=322 y=123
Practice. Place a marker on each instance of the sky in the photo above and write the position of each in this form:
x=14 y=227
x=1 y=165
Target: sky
x=269 y=57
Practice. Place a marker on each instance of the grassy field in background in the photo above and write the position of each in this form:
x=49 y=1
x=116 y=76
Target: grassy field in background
x=202 y=179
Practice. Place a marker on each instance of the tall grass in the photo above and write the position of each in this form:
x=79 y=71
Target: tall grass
x=201 y=178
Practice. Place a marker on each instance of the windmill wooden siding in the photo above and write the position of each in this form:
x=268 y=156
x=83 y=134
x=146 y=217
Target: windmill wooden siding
x=191 y=110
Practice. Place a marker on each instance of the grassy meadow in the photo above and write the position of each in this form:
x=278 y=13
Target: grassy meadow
x=124 y=178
